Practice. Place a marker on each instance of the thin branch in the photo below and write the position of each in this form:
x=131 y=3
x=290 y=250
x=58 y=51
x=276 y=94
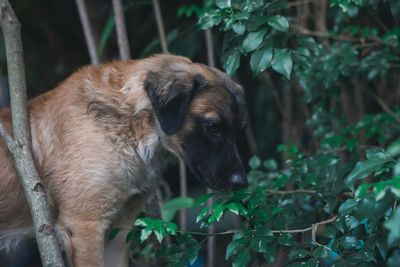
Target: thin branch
x=122 y=36
x=183 y=187
x=87 y=31
x=290 y=192
x=211 y=242
x=302 y=191
x=210 y=48
x=281 y=231
x=160 y=26
x=362 y=40
x=383 y=105
x=20 y=148
x=313 y=228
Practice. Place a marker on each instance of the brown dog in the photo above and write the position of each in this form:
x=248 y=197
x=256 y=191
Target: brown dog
x=98 y=141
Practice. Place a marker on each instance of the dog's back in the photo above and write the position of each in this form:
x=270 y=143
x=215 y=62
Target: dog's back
x=97 y=139
x=68 y=144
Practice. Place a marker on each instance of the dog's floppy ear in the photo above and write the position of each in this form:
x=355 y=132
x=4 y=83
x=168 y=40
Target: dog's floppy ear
x=170 y=98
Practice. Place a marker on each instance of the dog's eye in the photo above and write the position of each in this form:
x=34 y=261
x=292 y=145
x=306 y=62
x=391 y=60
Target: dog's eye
x=213 y=127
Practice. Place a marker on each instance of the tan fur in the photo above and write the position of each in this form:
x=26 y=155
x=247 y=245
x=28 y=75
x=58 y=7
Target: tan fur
x=96 y=143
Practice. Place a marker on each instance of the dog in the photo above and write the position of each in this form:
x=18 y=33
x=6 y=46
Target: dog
x=101 y=138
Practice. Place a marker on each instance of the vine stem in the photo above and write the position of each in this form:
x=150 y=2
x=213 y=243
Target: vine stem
x=313 y=228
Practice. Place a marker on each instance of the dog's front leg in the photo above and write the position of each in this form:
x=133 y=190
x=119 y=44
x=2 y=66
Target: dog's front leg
x=86 y=243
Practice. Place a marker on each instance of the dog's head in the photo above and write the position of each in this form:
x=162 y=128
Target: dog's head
x=200 y=111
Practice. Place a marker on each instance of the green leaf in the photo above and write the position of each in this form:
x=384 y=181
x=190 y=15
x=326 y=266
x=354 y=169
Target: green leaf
x=261 y=59
x=320 y=252
x=113 y=233
x=253 y=40
x=132 y=235
x=223 y=3
x=393 y=225
x=254 y=162
x=170 y=208
x=105 y=35
x=142 y=222
x=270 y=164
x=278 y=23
x=144 y=234
x=237 y=208
x=365 y=168
x=159 y=230
x=286 y=240
x=282 y=62
x=193 y=252
x=241 y=259
x=171 y=228
x=204 y=198
x=234 y=247
x=231 y=61
x=349 y=242
x=202 y=214
x=395 y=8
x=218 y=211
x=239 y=27
x=394 y=149
x=347 y=206
x=298 y=253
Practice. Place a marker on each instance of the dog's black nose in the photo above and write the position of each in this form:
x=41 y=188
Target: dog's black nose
x=238 y=181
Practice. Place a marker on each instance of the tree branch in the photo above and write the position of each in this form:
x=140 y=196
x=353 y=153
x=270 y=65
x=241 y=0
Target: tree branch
x=183 y=187
x=383 y=105
x=123 y=43
x=87 y=31
x=21 y=145
x=290 y=192
x=160 y=26
x=362 y=40
x=211 y=242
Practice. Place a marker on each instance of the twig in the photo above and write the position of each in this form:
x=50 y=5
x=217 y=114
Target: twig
x=210 y=48
x=302 y=191
x=313 y=228
x=362 y=40
x=290 y=192
x=183 y=187
x=87 y=31
x=281 y=231
x=160 y=26
x=123 y=43
x=20 y=146
x=383 y=105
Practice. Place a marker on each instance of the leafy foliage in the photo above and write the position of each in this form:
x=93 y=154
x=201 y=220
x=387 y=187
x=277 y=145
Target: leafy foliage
x=333 y=200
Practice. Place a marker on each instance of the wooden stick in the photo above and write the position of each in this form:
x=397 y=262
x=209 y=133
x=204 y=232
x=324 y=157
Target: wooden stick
x=122 y=36
x=87 y=31
x=20 y=146
x=160 y=26
x=211 y=242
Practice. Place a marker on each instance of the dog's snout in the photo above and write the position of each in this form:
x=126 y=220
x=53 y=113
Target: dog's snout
x=238 y=181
